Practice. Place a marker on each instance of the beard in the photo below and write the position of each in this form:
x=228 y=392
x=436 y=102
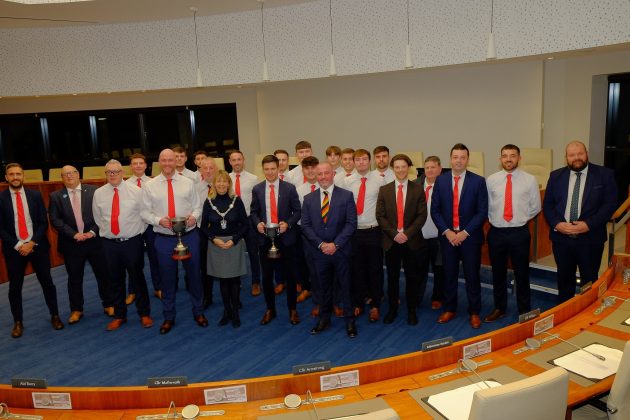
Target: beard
x=578 y=165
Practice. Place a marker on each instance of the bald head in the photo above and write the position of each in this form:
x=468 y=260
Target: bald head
x=70 y=176
x=167 y=162
x=208 y=169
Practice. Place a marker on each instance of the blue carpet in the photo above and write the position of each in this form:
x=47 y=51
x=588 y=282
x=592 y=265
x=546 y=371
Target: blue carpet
x=85 y=354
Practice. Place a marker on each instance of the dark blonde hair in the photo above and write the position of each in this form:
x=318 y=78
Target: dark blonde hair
x=222 y=175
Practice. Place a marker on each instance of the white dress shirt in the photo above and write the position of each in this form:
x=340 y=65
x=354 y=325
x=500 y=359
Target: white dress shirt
x=572 y=179
x=27 y=217
x=302 y=191
x=188 y=174
x=341 y=177
x=133 y=180
x=373 y=184
x=155 y=201
x=247 y=181
x=388 y=175
x=429 y=230
x=295 y=176
x=525 y=198
x=130 y=202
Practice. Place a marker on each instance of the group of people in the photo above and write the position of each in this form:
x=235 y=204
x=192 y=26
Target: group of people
x=331 y=224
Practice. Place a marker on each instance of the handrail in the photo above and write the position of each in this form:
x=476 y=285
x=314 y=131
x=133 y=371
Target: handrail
x=615 y=226
x=622 y=208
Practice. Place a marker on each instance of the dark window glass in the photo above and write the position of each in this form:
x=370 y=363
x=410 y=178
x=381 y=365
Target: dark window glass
x=21 y=140
x=216 y=128
x=70 y=138
x=118 y=135
x=165 y=129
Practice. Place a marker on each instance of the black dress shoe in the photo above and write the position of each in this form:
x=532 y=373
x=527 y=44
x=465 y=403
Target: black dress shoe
x=496 y=314
x=236 y=323
x=224 y=319
x=18 y=329
x=320 y=326
x=412 y=319
x=56 y=322
x=201 y=320
x=267 y=317
x=167 y=326
x=390 y=317
x=351 y=329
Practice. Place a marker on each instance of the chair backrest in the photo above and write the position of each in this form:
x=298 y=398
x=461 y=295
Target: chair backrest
x=476 y=163
x=33 y=175
x=127 y=172
x=537 y=162
x=155 y=169
x=619 y=398
x=255 y=167
x=543 y=396
x=54 y=174
x=219 y=162
x=93 y=172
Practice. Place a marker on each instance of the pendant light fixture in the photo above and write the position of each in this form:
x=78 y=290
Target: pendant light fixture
x=265 y=76
x=333 y=64
x=408 y=60
x=199 y=80
x=491 y=54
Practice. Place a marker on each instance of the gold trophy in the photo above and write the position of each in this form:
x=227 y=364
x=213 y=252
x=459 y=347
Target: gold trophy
x=272 y=230
x=180 y=252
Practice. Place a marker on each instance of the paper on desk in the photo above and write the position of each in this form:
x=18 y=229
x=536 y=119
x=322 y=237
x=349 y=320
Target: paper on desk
x=588 y=366
x=455 y=404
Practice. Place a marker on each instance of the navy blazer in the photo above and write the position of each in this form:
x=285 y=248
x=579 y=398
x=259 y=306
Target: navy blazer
x=37 y=211
x=62 y=216
x=598 y=202
x=288 y=210
x=341 y=223
x=473 y=205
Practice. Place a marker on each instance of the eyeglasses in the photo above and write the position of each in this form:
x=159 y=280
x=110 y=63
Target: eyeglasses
x=112 y=173
x=70 y=173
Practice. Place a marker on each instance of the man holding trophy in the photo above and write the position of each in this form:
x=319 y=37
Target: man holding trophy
x=171 y=204
x=275 y=210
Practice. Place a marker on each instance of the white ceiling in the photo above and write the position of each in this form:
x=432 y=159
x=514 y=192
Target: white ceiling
x=14 y=15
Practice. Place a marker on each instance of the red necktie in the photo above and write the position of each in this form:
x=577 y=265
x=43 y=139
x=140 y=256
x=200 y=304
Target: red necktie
x=426 y=192
x=282 y=177
x=115 y=228
x=272 y=204
x=304 y=180
x=507 y=206
x=312 y=187
x=139 y=183
x=361 y=197
x=382 y=174
x=22 y=230
x=400 y=214
x=237 y=185
x=171 y=198
x=349 y=174
x=456 y=203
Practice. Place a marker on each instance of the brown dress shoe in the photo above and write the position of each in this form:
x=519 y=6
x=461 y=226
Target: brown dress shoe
x=167 y=326
x=374 y=315
x=267 y=317
x=108 y=310
x=201 y=320
x=131 y=298
x=146 y=322
x=255 y=289
x=446 y=317
x=304 y=294
x=18 y=329
x=158 y=294
x=496 y=314
x=294 y=318
x=358 y=311
x=56 y=323
x=75 y=317
x=338 y=312
x=475 y=321
x=315 y=311
x=115 y=324
x=436 y=304
x=298 y=287
x=279 y=288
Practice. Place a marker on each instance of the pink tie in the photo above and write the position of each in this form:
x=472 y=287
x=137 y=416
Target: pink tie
x=76 y=210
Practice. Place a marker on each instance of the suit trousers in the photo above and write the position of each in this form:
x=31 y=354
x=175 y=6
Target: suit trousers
x=512 y=243
x=395 y=256
x=300 y=263
x=469 y=253
x=433 y=258
x=90 y=251
x=126 y=257
x=367 y=267
x=313 y=282
x=16 y=264
x=277 y=265
x=571 y=254
x=164 y=245
x=251 y=242
x=331 y=269
x=149 y=244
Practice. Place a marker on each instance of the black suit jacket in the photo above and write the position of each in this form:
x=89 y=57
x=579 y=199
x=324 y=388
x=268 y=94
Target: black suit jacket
x=414 y=216
x=62 y=217
x=37 y=211
x=288 y=210
x=598 y=202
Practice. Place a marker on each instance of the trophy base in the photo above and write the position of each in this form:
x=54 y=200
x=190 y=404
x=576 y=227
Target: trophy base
x=181 y=256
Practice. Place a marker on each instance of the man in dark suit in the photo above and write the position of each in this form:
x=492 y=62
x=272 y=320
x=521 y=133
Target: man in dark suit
x=78 y=240
x=459 y=207
x=329 y=218
x=276 y=202
x=23 y=226
x=401 y=210
x=579 y=200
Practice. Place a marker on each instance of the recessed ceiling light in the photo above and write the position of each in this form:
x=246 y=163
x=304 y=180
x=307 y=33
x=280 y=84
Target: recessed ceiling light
x=550 y=58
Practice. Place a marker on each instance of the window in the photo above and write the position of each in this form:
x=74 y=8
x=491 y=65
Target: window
x=21 y=140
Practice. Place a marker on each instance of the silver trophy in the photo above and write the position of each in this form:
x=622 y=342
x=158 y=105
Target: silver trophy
x=272 y=230
x=181 y=251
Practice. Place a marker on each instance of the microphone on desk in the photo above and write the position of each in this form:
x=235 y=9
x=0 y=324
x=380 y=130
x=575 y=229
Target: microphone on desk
x=6 y=414
x=309 y=399
x=470 y=365
x=599 y=356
